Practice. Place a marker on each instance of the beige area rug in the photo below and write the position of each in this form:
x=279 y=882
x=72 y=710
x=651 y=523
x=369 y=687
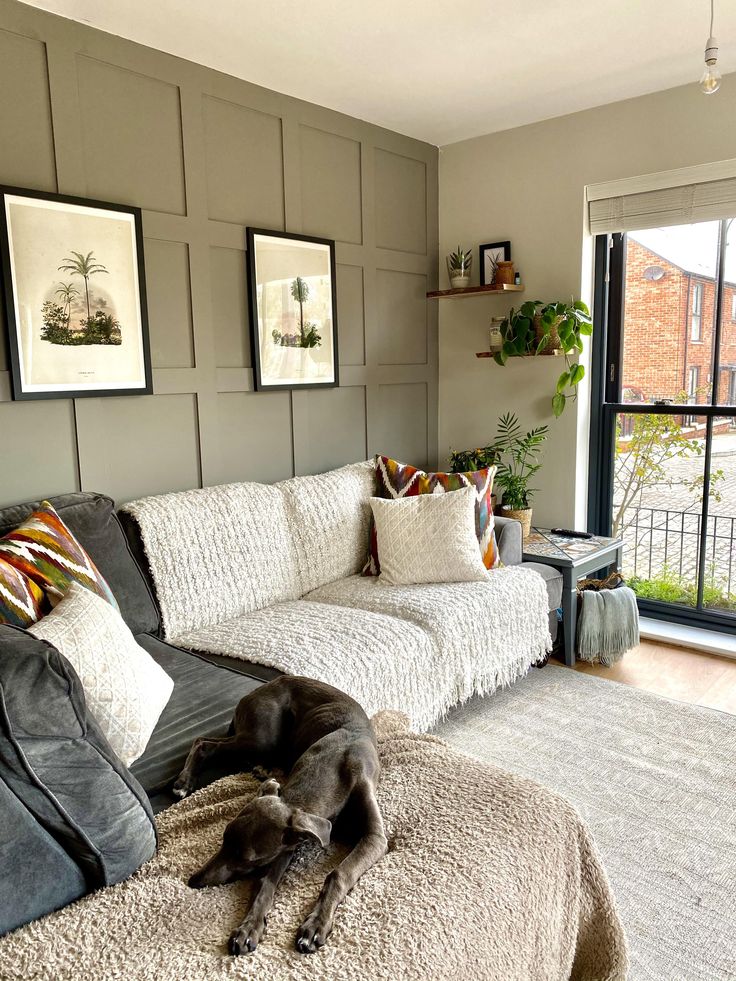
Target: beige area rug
x=489 y=877
x=656 y=782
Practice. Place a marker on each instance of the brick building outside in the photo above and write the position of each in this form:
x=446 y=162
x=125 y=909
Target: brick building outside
x=669 y=328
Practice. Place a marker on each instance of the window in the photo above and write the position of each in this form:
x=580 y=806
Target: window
x=663 y=466
x=693 y=383
x=733 y=306
x=696 y=320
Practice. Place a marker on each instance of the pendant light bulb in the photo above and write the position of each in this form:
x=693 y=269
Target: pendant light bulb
x=710 y=80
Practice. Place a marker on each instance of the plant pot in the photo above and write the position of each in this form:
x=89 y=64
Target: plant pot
x=524 y=516
x=504 y=273
x=554 y=343
x=459 y=282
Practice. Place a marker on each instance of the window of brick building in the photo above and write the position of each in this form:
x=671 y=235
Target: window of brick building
x=696 y=319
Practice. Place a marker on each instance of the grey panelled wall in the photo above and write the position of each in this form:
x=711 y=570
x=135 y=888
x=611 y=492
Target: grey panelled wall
x=204 y=155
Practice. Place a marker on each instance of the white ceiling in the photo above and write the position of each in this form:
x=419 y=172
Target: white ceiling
x=438 y=71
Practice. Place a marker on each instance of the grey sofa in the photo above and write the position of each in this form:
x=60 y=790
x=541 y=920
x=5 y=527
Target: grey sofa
x=207 y=686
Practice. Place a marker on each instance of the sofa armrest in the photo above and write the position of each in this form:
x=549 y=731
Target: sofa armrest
x=508 y=537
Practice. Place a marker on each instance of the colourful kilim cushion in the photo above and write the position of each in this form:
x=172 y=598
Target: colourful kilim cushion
x=44 y=550
x=396 y=480
x=22 y=602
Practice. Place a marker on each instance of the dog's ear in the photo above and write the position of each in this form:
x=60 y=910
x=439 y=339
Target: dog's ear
x=305 y=825
x=270 y=788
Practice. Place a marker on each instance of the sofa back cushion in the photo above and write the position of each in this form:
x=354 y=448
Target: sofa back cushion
x=217 y=553
x=72 y=818
x=329 y=516
x=92 y=520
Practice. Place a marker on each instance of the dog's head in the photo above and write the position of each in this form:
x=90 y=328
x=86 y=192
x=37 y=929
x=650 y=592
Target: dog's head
x=265 y=828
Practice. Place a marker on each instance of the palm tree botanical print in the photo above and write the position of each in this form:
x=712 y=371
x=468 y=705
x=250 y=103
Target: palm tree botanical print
x=99 y=326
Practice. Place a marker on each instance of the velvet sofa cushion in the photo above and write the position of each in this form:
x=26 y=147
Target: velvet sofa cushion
x=62 y=789
x=202 y=704
x=92 y=520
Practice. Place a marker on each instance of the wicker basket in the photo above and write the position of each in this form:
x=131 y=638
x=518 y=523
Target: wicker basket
x=554 y=343
x=524 y=516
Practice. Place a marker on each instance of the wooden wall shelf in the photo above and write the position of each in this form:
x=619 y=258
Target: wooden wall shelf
x=474 y=291
x=551 y=354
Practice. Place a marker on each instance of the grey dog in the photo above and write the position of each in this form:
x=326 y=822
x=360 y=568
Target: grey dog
x=325 y=742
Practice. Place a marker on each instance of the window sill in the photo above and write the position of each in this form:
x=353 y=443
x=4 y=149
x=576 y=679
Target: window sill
x=680 y=635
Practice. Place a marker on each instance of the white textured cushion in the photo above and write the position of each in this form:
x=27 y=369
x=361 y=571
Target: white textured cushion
x=428 y=538
x=329 y=517
x=126 y=690
x=217 y=553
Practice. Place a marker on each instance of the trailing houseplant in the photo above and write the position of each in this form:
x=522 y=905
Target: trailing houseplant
x=538 y=328
x=459 y=264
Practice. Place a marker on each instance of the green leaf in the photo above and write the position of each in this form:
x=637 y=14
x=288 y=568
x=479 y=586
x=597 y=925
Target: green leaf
x=563 y=381
x=558 y=405
x=508 y=348
x=577 y=373
x=500 y=358
x=543 y=344
x=529 y=308
x=586 y=329
x=579 y=305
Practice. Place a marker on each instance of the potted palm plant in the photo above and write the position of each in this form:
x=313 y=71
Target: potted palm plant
x=518 y=454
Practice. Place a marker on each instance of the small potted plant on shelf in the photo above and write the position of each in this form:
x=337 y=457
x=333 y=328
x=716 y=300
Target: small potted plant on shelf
x=459 y=264
x=538 y=328
x=516 y=454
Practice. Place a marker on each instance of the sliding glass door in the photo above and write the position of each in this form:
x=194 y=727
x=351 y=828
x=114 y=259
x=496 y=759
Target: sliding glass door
x=663 y=443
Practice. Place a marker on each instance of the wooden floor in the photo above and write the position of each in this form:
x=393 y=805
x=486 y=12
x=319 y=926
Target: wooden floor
x=677 y=672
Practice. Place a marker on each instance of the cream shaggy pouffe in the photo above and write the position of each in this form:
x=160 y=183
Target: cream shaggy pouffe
x=488 y=876
x=655 y=780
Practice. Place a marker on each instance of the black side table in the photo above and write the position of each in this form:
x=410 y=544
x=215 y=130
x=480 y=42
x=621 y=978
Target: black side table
x=575 y=558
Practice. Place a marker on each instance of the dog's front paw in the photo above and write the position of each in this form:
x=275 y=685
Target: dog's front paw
x=313 y=934
x=245 y=939
x=182 y=787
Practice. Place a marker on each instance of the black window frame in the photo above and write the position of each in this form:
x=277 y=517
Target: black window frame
x=606 y=405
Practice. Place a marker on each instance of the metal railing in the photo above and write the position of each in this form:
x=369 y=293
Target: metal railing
x=659 y=541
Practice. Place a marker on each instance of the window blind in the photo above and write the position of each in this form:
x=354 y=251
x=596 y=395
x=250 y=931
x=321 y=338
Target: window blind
x=703 y=201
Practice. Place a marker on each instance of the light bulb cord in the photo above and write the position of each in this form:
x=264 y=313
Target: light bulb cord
x=712 y=2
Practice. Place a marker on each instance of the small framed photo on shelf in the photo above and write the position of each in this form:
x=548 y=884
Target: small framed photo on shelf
x=488 y=258
x=75 y=296
x=293 y=310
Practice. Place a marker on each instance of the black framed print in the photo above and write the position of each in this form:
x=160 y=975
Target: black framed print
x=293 y=310
x=488 y=258
x=75 y=296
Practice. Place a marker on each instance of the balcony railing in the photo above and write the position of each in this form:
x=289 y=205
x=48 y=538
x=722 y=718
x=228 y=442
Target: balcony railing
x=665 y=543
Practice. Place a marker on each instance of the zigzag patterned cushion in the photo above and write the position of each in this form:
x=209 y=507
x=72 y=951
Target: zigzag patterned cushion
x=396 y=480
x=22 y=602
x=44 y=550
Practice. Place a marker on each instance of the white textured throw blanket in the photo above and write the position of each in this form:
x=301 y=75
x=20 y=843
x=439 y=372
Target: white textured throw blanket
x=417 y=649
x=230 y=564
x=488 y=877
